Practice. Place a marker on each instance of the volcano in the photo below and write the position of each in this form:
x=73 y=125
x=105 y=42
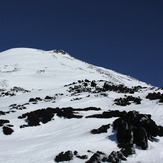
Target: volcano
x=56 y=108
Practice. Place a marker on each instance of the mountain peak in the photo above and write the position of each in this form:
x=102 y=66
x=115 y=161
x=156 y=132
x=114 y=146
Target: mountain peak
x=28 y=67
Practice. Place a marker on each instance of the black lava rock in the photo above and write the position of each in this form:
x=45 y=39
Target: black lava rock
x=3 y=121
x=67 y=156
x=7 y=130
x=102 y=129
x=140 y=137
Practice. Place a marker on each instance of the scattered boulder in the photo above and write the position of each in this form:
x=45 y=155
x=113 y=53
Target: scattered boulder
x=95 y=87
x=124 y=132
x=140 y=137
x=67 y=113
x=12 y=92
x=17 y=107
x=102 y=129
x=94 y=159
x=128 y=149
x=97 y=157
x=32 y=100
x=127 y=100
x=67 y=156
x=3 y=121
x=155 y=96
x=93 y=84
x=38 y=99
x=86 y=80
x=116 y=157
x=120 y=88
x=2 y=113
x=36 y=117
x=83 y=157
x=7 y=130
x=49 y=98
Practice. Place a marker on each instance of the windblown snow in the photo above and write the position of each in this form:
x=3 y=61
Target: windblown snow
x=48 y=98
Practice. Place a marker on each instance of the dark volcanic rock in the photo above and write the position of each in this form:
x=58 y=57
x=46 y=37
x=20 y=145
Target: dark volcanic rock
x=127 y=100
x=67 y=113
x=120 y=88
x=83 y=157
x=128 y=149
x=12 y=92
x=134 y=128
x=116 y=157
x=32 y=100
x=67 y=156
x=45 y=115
x=7 y=130
x=140 y=137
x=95 y=87
x=93 y=84
x=108 y=114
x=3 y=121
x=160 y=131
x=155 y=96
x=49 y=98
x=95 y=158
x=2 y=113
x=42 y=115
x=124 y=132
x=88 y=109
x=102 y=129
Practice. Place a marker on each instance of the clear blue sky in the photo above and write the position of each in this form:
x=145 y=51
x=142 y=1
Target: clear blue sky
x=122 y=35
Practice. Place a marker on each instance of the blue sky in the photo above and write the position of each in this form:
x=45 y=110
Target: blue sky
x=122 y=35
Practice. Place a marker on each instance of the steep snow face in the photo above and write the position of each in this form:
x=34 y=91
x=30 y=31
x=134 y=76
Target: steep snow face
x=33 y=68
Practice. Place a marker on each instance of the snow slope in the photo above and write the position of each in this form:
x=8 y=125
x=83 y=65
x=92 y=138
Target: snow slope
x=32 y=68
x=53 y=73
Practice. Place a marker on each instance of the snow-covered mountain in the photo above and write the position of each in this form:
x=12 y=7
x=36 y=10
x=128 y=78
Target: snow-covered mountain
x=54 y=107
x=32 y=68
